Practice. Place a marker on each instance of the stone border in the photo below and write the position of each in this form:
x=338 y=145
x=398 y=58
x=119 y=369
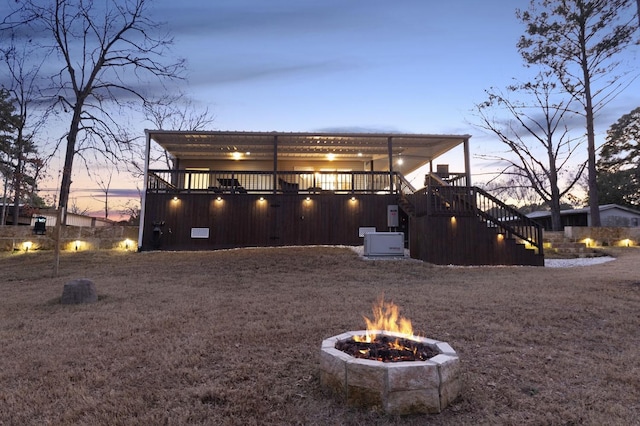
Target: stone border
x=393 y=387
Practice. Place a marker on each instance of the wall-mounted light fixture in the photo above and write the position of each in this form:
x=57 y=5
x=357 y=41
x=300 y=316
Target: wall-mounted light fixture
x=500 y=236
x=453 y=220
x=331 y=156
x=261 y=199
x=218 y=198
x=307 y=199
x=175 y=199
x=354 y=199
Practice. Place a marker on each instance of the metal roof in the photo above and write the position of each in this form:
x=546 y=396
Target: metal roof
x=415 y=149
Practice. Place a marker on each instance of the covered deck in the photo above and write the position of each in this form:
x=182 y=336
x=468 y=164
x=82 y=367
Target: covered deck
x=281 y=165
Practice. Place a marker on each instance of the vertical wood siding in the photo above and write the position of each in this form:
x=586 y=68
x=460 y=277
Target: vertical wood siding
x=242 y=220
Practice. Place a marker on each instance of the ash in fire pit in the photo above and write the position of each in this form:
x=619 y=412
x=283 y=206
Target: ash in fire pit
x=387 y=349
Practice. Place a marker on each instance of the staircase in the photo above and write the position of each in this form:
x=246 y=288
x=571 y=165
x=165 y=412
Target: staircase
x=466 y=225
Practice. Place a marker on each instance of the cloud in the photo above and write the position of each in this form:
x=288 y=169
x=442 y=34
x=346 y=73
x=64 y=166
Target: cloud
x=250 y=70
x=238 y=17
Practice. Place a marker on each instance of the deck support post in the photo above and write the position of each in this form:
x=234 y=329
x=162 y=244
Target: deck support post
x=390 y=151
x=275 y=164
x=145 y=187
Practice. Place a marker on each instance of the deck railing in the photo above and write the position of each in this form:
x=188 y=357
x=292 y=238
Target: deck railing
x=270 y=182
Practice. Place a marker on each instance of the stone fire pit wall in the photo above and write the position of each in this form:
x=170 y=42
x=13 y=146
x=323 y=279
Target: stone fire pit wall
x=398 y=388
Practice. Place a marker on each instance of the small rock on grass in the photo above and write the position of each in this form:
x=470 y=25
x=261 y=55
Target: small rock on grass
x=77 y=291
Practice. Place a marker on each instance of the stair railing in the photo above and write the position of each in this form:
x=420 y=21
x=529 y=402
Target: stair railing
x=506 y=220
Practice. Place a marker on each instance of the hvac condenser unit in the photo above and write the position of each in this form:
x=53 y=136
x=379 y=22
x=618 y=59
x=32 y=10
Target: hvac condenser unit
x=384 y=244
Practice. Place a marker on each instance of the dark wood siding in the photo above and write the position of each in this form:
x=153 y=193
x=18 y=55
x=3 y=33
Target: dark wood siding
x=465 y=240
x=242 y=220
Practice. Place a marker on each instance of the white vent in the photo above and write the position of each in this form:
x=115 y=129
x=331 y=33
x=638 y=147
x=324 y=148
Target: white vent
x=384 y=244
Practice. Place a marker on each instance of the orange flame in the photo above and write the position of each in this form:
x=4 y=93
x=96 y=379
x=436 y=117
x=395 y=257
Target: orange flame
x=386 y=317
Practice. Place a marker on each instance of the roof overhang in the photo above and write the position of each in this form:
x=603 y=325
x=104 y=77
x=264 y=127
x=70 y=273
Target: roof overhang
x=416 y=150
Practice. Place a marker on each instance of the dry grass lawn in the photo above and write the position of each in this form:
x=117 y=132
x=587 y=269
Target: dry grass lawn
x=233 y=337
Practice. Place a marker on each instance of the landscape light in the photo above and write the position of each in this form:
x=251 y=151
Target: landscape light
x=26 y=246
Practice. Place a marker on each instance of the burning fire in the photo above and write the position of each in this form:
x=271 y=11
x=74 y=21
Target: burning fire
x=386 y=317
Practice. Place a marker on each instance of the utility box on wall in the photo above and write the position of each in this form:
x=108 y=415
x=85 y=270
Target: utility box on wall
x=384 y=244
x=393 y=219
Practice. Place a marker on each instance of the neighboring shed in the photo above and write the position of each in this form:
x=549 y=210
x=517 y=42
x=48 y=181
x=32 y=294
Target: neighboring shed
x=72 y=219
x=611 y=215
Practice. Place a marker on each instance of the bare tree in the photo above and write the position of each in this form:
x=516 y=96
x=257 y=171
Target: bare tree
x=76 y=209
x=23 y=85
x=106 y=49
x=105 y=185
x=579 y=40
x=538 y=139
x=175 y=112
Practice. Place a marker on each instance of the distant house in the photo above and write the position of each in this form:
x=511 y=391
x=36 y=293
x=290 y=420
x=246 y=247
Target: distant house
x=610 y=215
x=23 y=217
x=259 y=189
x=73 y=219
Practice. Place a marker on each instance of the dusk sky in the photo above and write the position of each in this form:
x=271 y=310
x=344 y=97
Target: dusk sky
x=416 y=66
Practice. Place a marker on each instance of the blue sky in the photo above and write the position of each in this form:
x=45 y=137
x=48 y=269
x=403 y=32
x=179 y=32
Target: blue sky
x=414 y=66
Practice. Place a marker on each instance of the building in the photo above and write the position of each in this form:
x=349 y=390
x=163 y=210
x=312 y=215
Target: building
x=611 y=215
x=243 y=189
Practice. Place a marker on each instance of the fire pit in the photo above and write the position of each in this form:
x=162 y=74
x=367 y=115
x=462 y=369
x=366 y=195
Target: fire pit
x=393 y=371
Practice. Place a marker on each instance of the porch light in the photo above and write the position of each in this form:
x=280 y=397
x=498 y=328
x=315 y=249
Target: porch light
x=353 y=199
x=175 y=199
x=261 y=199
x=26 y=246
x=218 y=198
x=500 y=236
x=307 y=199
x=400 y=161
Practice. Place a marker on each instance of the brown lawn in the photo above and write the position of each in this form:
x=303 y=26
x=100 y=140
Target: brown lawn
x=233 y=337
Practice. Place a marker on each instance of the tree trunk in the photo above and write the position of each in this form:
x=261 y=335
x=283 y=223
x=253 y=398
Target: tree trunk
x=65 y=185
x=16 y=189
x=594 y=207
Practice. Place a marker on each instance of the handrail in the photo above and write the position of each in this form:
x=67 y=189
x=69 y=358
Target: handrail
x=475 y=201
x=405 y=185
x=266 y=182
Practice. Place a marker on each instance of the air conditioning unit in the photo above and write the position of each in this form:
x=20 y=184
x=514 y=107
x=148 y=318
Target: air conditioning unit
x=384 y=244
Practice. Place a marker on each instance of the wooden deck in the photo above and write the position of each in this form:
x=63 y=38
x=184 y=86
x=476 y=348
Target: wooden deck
x=443 y=224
